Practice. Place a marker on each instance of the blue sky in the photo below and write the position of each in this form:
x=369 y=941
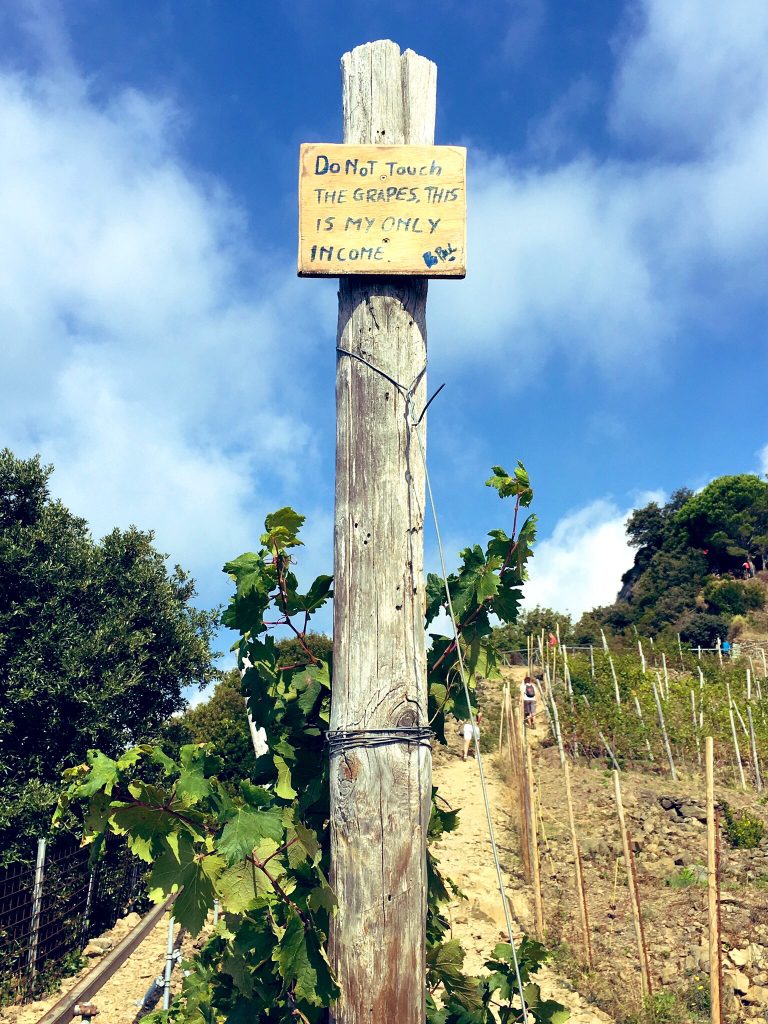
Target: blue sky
x=158 y=349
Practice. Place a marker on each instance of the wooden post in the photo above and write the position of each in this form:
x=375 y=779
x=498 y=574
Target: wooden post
x=37 y=906
x=642 y=723
x=713 y=886
x=501 y=716
x=616 y=693
x=534 y=846
x=694 y=716
x=380 y=794
x=736 y=749
x=634 y=896
x=755 y=761
x=680 y=648
x=581 y=893
x=663 y=726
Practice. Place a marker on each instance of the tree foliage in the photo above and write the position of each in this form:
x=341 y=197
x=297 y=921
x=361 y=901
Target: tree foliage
x=261 y=846
x=530 y=622
x=97 y=640
x=682 y=548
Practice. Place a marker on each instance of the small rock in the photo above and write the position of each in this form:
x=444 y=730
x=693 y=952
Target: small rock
x=693 y=810
x=737 y=981
x=758 y=994
x=92 y=950
x=741 y=957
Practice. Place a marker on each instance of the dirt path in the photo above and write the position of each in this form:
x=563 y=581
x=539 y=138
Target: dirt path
x=465 y=856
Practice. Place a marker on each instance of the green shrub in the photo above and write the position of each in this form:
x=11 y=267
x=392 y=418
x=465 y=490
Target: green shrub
x=686 y=877
x=701 y=630
x=732 y=597
x=745 y=832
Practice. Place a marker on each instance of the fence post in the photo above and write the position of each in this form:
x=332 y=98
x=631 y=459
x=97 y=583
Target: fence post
x=663 y=726
x=89 y=902
x=168 y=965
x=634 y=895
x=713 y=886
x=37 y=905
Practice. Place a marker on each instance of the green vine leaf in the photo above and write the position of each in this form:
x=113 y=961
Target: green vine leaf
x=246 y=829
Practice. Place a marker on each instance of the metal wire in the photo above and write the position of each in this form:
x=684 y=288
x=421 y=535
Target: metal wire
x=339 y=740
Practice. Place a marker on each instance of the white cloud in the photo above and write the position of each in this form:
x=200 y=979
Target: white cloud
x=763 y=457
x=139 y=358
x=579 y=567
x=692 y=76
x=602 y=260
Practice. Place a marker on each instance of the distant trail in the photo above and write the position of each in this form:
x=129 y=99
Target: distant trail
x=465 y=856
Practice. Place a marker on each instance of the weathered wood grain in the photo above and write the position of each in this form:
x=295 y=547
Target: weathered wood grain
x=380 y=796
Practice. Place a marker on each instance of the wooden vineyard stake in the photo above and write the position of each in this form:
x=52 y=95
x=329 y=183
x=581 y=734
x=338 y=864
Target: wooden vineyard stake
x=642 y=656
x=666 y=673
x=526 y=816
x=765 y=663
x=592 y=661
x=615 y=682
x=736 y=749
x=380 y=793
x=608 y=751
x=534 y=846
x=713 y=889
x=634 y=896
x=695 y=727
x=701 y=698
x=663 y=727
x=517 y=770
x=680 y=649
x=639 y=711
x=755 y=762
x=501 y=716
x=581 y=894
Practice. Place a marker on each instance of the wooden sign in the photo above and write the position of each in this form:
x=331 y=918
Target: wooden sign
x=382 y=210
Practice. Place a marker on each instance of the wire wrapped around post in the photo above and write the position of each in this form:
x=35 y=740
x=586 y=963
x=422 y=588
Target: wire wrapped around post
x=339 y=740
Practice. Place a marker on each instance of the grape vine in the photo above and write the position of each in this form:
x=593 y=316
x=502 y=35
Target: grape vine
x=261 y=848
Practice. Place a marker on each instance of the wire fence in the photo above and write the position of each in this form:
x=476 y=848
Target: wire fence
x=49 y=911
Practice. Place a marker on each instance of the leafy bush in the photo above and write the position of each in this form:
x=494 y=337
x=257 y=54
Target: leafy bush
x=737 y=626
x=702 y=630
x=745 y=832
x=687 y=877
x=732 y=597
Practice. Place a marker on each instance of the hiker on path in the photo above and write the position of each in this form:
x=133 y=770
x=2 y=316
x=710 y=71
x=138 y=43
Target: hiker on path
x=471 y=734
x=528 y=694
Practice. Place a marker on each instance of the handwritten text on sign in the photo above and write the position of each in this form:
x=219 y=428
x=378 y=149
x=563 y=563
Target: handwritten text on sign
x=382 y=210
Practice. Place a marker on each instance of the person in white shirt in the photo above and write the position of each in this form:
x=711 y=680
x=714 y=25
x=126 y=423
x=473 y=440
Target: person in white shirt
x=528 y=694
x=471 y=734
